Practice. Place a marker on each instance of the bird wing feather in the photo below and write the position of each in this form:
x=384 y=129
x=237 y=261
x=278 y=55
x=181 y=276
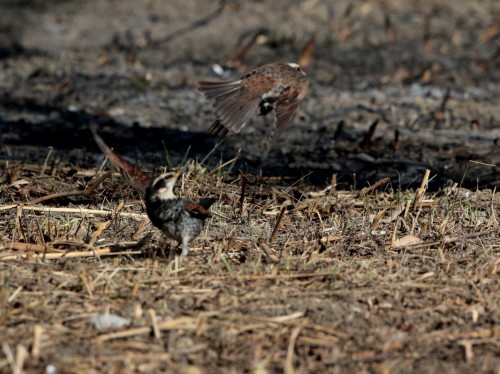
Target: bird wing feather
x=234 y=102
x=196 y=210
x=134 y=176
x=213 y=90
x=285 y=111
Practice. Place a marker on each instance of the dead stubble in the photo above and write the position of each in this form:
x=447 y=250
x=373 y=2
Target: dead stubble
x=283 y=279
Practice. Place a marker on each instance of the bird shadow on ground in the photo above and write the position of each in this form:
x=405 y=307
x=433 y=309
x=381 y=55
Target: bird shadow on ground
x=68 y=132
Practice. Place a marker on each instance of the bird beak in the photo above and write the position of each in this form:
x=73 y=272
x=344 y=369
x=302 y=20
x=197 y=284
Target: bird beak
x=178 y=174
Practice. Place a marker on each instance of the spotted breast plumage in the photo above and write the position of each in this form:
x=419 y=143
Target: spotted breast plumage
x=178 y=218
x=275 y=86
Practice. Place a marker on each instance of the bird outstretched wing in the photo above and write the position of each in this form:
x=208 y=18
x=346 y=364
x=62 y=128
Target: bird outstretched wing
x=235 y=102
x=285 y=111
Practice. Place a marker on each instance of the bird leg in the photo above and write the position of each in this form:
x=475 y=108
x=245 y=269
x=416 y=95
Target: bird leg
x=185 y=247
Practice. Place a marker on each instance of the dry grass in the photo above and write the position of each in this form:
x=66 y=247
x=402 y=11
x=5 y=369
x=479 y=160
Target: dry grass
x=283 y=279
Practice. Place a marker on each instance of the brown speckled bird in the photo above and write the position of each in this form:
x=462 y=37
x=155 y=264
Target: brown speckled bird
x=273 y=86
x=178 y=218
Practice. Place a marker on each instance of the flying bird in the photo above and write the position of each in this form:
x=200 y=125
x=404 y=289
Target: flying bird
x=275 y=86
x=178 y=218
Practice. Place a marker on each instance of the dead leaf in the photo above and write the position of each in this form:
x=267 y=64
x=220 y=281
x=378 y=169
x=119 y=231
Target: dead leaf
x=19 y=183
x=407 y=240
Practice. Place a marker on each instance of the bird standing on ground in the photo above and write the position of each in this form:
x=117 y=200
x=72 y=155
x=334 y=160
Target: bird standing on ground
x=178 y=218
x=273 y=86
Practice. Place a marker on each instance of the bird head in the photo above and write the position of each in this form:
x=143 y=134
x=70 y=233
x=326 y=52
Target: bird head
x=163 y=186
x=295 y=66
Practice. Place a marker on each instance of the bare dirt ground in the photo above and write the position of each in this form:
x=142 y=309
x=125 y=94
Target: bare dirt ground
x=301 y=269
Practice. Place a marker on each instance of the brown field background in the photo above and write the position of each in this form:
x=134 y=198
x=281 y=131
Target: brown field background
x=340 y=255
